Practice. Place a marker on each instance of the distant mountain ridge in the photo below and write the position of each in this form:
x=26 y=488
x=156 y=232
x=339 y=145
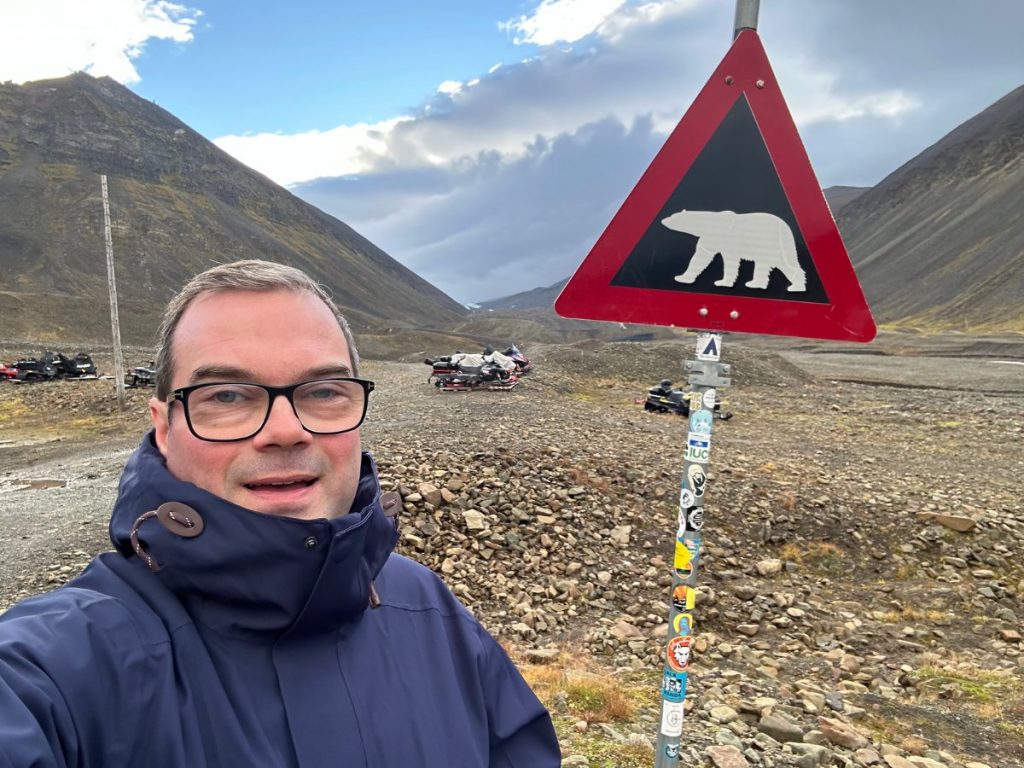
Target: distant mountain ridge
x=178 y=203
x=939 y=243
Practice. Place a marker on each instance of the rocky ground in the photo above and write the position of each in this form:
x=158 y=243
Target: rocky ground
x=861 y=581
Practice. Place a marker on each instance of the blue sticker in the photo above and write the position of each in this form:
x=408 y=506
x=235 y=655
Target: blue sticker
x=673 y=686
x=700 y=422
x=672 y=751
x=697 y=440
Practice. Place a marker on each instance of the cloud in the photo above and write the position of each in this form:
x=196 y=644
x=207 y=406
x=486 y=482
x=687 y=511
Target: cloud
x=494 y=226
x=41 y=39
x=295 y=157
x=555 y=21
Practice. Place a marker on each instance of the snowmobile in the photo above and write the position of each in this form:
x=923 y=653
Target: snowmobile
x=462 y=372
x=141 y=376
x=31 y=370
x=80 y=366
x=662 y=398
x=523 y=364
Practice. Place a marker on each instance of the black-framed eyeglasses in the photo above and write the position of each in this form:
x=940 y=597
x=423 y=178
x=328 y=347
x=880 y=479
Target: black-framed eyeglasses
x=222 y=412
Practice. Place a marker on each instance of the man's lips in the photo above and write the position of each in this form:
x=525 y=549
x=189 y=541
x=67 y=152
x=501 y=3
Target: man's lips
x=280 y=484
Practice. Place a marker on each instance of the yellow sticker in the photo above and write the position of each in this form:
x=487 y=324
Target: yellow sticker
x=683 y=624
x=683 y=556
x=683 y=597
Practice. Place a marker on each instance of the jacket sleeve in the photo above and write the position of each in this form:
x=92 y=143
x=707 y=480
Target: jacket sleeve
x=521 y=732
x=36 y=728
x=66 y=662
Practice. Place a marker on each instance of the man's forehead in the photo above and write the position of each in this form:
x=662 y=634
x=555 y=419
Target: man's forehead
x=278 y=333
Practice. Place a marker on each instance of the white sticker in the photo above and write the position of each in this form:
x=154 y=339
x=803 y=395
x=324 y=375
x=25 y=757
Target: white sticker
x=698 y=440
x=709 y=399
x=697 y=478
x=672 y=718
x=709 y=346
x=697 y=455
x=685 y=498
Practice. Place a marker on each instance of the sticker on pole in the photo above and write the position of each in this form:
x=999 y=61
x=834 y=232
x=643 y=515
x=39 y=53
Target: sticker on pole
x=728 y=229
x=709 y=346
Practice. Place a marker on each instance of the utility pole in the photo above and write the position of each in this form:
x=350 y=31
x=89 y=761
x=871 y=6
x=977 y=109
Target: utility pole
x=115 y=323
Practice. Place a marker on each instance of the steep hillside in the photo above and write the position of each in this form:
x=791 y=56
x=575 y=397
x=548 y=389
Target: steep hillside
x=839 y=197
x=179 y=204
x=939 y=243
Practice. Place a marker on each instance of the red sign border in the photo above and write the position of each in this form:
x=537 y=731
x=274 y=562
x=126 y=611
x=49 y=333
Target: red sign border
x=745 y=70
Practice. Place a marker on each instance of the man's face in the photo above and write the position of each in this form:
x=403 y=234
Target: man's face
x=276 y=338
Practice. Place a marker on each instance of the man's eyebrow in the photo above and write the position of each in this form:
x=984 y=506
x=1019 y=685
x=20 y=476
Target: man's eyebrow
x=231 y=373
x=221 y=373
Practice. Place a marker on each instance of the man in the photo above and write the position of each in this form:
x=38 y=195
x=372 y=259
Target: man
x=253 y=614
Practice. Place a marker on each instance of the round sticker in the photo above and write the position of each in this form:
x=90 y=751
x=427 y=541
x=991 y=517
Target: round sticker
x=682 y=597
x=700 y=422
x=686 y=497
x=679 y=654
x=709 y=399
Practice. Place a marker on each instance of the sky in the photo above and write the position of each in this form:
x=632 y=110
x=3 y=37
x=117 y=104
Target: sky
x=486 y=145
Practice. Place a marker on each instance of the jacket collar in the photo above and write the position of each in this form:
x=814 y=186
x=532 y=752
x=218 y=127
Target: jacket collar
x=252 y=574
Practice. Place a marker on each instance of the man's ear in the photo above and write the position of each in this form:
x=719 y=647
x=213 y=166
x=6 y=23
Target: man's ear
x=160 y=416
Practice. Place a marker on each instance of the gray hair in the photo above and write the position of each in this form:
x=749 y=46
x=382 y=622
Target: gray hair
x=248 y=275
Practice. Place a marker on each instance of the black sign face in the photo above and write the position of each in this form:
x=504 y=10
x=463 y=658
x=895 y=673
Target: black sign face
x=728 y=228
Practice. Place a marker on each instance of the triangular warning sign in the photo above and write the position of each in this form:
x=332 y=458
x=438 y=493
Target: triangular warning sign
x=728 y=229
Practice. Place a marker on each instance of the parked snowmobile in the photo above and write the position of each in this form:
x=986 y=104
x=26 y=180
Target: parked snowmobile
x=77 y=367
x=662 y=398
x=523 y=364
x=141 y=376
x=462 y=372
x=31 y=370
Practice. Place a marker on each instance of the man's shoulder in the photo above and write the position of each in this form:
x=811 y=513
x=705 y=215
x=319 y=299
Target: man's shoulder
x=404 y=583
x=97 y=608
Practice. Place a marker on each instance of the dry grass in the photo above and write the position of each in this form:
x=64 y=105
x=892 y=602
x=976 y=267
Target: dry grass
x=576 y=687
x=909 y=613
x=589 y=694
x=820 y=556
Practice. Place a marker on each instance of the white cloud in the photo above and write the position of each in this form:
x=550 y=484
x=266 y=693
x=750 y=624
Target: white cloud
x=556 y=21
x=41 y=39
x=449 y=87
x=295 y=157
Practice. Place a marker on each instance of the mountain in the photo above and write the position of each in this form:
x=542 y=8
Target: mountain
x=535 y=298
x=837 y=197
x=939 y=243
x=178 y=205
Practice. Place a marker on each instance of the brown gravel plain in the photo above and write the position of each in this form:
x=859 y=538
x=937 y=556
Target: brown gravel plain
x=841 y=619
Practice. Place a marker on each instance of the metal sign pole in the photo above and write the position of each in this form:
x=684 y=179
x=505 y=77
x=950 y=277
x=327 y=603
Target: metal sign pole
x=706 y=374
x=746 y=16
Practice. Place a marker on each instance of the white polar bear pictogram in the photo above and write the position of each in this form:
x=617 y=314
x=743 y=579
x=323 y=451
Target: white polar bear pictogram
x=762 y=238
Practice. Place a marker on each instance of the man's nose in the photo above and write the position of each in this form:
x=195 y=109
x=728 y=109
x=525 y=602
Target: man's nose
x=283 y=427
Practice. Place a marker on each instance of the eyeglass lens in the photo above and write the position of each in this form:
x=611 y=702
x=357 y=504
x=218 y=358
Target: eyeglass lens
x=234 y=411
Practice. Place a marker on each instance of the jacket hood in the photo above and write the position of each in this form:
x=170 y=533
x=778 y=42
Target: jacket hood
x=248 y=573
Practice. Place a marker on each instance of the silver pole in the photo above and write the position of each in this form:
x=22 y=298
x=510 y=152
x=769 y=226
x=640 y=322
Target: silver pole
x=746 y=16
x=706 y=374
x=115 y=323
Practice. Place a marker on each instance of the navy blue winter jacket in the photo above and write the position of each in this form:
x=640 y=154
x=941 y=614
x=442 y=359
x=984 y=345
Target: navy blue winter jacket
x=255 y=645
